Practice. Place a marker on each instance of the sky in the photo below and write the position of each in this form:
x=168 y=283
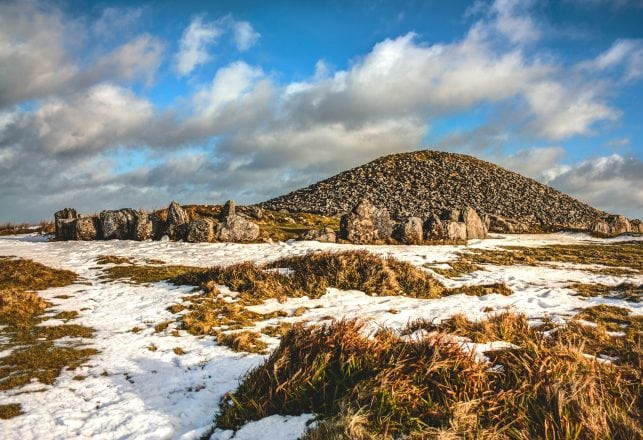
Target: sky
x=105 y=105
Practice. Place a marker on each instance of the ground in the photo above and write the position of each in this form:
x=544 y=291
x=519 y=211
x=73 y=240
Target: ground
x=153 y=379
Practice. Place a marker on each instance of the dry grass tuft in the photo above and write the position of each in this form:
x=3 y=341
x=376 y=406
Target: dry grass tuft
x=245 y=341
x=43 y=227
x=482 y=289
x=458 y=268
x=9 y=411
x=113 y=259
x=386 y=387
x=145 y=274
x=627 y=291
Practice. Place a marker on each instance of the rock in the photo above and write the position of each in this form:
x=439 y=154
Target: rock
x=637 y=226
x=475 y=226
x=505 y=225
x=118 y=224
x=143 y=227
x=455 y=230
x=60 y=218
x=85 y=228
x=324 y=235
x=228 y=210
x=176 y=215
x=618 y=224
x=201 y=230
x=409 y=231
x=450 y=215
x=366 y=223
x=237 y=229
x=177 y=232
x=601 y=227
x=256 y=213
x=433 y=228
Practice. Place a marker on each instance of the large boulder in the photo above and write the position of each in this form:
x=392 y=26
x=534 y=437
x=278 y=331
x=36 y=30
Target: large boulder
x=60 y=218
x=433 y=228
x=637 y=226
x=119 y=224
x=176 y=215
x=143 y=227
x=366 y=224
x=454 y=230
x=618 y=224
x=474 y=224
x=498 y=223
x=452 y=215
x=601 y=227
x=86 y=228
x=201 y=230
x=325 y=235
x=237 y=229
x=409 y=231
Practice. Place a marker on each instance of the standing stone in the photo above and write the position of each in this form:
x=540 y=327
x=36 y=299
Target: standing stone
x=85 y=228
x=450 y=215
x=409 y=231
x=455 y=230
x=176 y=215
x=366 y=223
x=475 y=226
x=228 y=210
x=143 y=227
x=61 y=217
x=118 y=225
x=433 y=228
x=201 y=230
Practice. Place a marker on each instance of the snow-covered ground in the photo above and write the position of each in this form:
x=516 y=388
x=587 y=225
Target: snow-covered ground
x=131 y=391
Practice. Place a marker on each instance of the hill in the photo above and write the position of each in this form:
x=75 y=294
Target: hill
x=421 y=182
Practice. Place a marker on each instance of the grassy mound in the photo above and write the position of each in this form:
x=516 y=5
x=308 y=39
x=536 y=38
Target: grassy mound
x=428 y=387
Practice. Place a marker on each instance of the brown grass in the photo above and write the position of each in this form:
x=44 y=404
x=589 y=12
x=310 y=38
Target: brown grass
x=481 y=289
x=113 y=259
x=33 y=352
x=627 y=291
x=386 y=387
x=9 y=411
x=246 y=341
x=43 y=227
x=458 y=268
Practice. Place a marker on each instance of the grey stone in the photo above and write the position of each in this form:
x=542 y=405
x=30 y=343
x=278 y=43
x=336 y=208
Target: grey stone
x=201 y=230
x=475 y=226
x=409 y=231
x=176 y=215
x=450 y=215
x=601 y=227
x=60 y=218
x=366 y=224
x=325 y=235
x=118 y=224
x=228 y=210
x=237 y=229
x=177 y=232
x=143 y=227
x=455 y=230
x=618 y=224
x=86 y=228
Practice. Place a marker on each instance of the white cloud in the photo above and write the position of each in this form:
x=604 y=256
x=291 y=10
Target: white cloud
x=194 y=44
x=244 y=35
x=102 y=117
x=511 y=19
x=114 y=20
x=200 y=36
x=612 y=183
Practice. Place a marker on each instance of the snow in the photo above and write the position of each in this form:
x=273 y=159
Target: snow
x=133 y=392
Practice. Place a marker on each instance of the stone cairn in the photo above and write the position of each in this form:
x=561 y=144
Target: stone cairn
x=130 y=224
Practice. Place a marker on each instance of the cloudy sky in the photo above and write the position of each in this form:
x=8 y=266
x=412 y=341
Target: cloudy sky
x=126 y=104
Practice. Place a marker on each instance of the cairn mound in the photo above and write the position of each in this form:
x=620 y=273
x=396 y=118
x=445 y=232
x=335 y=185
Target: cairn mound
x=418 y=183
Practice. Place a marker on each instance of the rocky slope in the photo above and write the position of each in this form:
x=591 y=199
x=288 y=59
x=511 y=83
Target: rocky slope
x=422 y=182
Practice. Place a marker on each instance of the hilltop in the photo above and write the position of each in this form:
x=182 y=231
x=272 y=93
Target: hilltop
x=421 y=182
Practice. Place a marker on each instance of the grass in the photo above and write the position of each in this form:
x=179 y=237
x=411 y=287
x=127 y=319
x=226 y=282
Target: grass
x=386 y=387
x=9 y=411
x=622 y=258
x=113 y=259
x=26 y=228
x=244 y=341
x=33 y=352
x=145 y=274
x=482 y=289
x=627 y=291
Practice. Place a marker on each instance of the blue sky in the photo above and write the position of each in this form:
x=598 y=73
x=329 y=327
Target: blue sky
x=113 y=104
